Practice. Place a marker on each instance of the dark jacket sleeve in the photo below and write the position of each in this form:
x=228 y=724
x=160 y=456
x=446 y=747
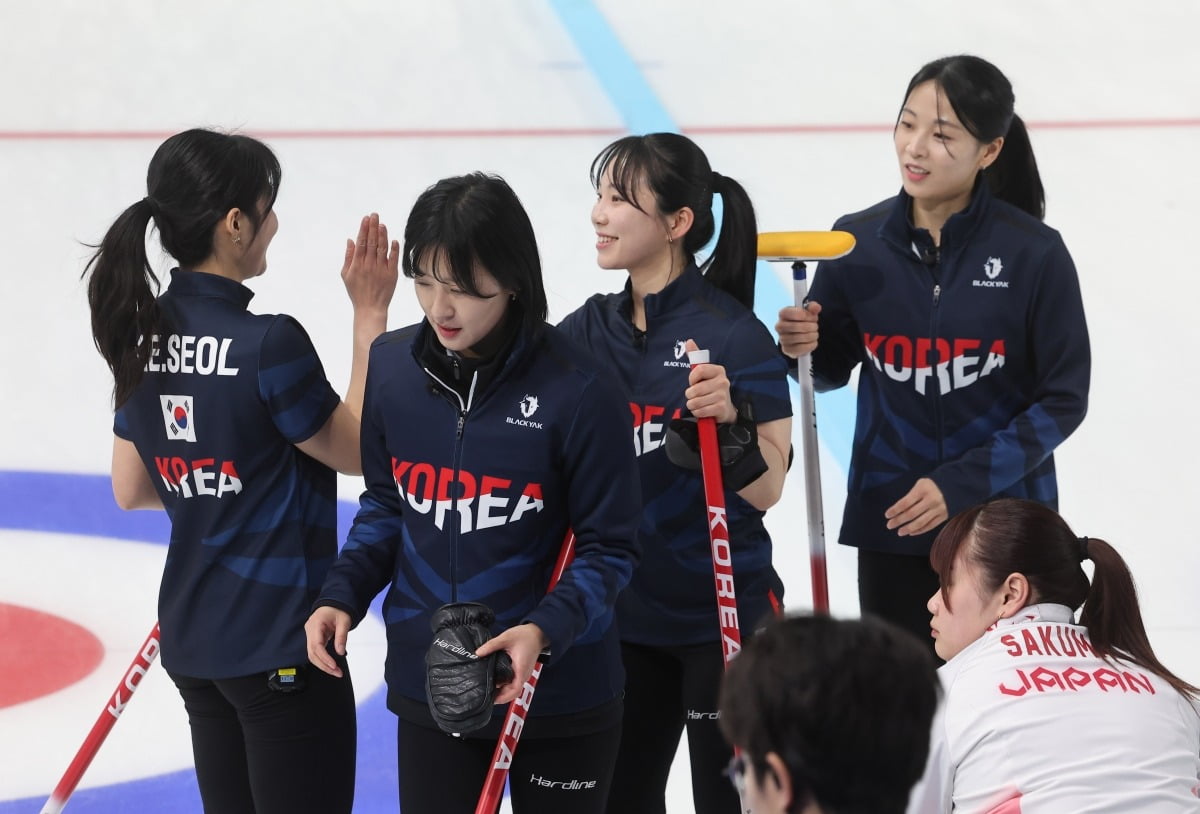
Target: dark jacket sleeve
x=757 y=373
x=839 y=347
x=604 y=504
x=292 y=383
x=367 y=561
x=1057 y=338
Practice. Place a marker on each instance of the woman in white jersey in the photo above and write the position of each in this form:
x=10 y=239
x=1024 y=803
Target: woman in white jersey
x=1041 y=713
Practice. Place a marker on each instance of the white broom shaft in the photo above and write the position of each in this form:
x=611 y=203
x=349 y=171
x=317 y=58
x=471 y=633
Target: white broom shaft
x=812 y=462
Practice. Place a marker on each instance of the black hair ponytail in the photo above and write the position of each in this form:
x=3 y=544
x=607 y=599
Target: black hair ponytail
x=122 y=295
x=1014 y=175
x=731 y=266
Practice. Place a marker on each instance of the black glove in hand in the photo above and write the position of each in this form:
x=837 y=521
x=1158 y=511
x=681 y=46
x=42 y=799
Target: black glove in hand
x=459 y=685
x=742 y=462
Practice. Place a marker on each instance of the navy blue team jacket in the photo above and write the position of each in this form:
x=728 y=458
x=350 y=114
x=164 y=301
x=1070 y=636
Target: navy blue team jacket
x=226 y=396
x=468 y=500
x=975 y=359
x=672 y=597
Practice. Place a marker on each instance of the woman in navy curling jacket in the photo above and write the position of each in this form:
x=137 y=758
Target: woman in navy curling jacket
x=653 y=213
x=965 y=312
x=486 y=435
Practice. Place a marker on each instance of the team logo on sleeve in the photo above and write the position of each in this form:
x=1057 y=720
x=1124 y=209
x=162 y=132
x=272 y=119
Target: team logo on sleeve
x=179 y=417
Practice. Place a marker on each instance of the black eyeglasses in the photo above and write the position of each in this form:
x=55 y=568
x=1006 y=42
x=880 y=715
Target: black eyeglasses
x=736 y=772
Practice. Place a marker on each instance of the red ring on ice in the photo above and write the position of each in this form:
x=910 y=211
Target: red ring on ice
x=48 y=653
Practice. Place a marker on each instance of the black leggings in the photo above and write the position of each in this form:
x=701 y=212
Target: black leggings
x=441 y=774
x=897 y=587
x=667 y=688
x=260 y=751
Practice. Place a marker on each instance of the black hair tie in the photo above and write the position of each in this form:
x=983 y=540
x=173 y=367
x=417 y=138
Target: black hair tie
x=152 y=205
x=1084 y=554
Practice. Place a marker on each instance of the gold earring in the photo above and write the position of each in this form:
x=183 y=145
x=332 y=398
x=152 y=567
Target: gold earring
x=237 y=239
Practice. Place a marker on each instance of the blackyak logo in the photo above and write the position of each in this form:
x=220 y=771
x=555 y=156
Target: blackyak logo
x=528 y=406
x=992 y=269
x=680 y=351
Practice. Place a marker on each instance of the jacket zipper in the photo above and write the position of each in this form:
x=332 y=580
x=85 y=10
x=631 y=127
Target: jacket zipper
x=935 y=378
x=456 y=466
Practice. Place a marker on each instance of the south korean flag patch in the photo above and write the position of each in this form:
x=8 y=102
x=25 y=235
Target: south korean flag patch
x=179 y=418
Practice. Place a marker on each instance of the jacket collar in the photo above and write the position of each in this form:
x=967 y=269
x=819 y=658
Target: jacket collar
x=202 y=284
x=899 y=231
x=470 y=379
x=677 y=292
x=1042 y=612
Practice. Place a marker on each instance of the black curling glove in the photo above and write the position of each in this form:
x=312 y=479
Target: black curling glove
x=459 y=685
x=742 y=462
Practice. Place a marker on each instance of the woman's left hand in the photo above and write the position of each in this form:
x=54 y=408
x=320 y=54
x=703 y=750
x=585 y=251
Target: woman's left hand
x=524 y=644
x=708 y=393
x=922 y=509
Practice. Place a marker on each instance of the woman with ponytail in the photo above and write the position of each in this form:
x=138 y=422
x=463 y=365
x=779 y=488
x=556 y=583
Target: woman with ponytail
x=225 y=419
x=653 y=214
x=1042 y=713
x=965 y=313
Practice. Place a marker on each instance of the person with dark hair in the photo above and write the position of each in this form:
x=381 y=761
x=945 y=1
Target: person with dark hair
x=653 y=213
x=1043 y=713
x=828 y=716
x=965 y=314
x=225 y=419
x=486 y=435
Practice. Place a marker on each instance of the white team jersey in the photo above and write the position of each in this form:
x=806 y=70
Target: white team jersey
x=1032 y=722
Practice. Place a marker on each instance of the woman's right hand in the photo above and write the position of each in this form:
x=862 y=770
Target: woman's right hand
x=797 y=329
x=327 y=623
x=371 y=267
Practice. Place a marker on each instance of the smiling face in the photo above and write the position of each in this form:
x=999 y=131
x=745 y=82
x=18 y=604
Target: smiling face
x=968 y=614
x=939 y=159
x=627 y=237
x=461 y=321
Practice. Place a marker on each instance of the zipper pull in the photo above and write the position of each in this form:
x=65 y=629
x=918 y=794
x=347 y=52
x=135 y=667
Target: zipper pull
x=462 y=418
x=937 y=293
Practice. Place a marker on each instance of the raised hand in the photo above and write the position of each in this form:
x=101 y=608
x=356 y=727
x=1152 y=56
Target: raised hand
x=371 y=267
